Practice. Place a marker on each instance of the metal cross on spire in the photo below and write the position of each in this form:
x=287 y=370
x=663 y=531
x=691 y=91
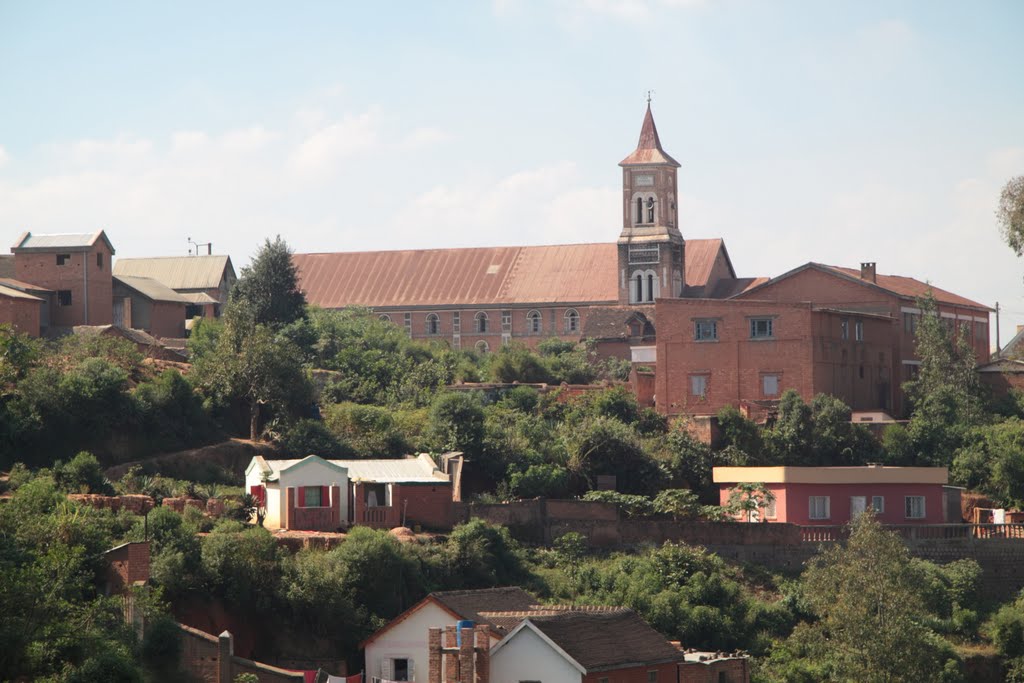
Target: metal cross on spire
x=649 y=93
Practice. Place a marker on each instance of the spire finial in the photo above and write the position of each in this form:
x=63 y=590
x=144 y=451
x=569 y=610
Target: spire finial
x=649 y=93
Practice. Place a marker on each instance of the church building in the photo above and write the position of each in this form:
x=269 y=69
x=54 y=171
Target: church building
x=661 y=301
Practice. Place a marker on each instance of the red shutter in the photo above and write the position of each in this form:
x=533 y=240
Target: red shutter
x=302 y=497
x=259 y=492
x=325 y=496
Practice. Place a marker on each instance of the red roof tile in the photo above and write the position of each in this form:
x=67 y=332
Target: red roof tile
x=480 y=276
x=909 y=287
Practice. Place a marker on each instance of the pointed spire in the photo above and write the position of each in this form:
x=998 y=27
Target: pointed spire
x=648 y=150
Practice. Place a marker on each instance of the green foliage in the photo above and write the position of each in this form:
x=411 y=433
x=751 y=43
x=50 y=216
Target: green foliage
x=748 y=500
x=457 y=422
x=1010 y=214
x=161 y=645
x=18 y=353
x=170 y=411
x=269 y=286
x=992 y=460
x=82 y=474
x=739 y=432
x=370 y=431
x=631 y=505
x=308 y=436
x=482 y=555
x=550 y=481
x=606 y=446
x=678 y=503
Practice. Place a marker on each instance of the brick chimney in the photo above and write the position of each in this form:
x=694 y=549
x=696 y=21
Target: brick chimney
x=867 y=271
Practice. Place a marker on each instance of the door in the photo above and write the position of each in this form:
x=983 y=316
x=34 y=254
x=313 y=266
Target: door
x=858 y=504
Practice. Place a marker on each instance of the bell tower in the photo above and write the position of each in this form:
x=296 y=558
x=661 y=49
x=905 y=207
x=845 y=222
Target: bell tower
x=651 y=248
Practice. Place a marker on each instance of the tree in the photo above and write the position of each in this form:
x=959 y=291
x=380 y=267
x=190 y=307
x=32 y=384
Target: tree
x=868 y=598
x=457 y=422
x=570 y=549
x=1011 y=214
x=748 y=500
x=269 y=286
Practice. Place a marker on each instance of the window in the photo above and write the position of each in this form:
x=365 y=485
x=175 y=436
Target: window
x=482 y=347
x=572 y=321
x=844 y=329
x=914 y=507
x=408 y=323
x=699 y=385
x=650 y=288
x=761 y=328
x=63 y=297
x=456 y=322
x=771 y=512
x=819 y=507
x=638 y=294
x=639 y=210
x=980 y=331
x=858 y=330
x=99 y=260
x=481 y=322
x=650 y=209
x=644 y=255
x=878 y=504
x=652 y=676
x=384 y=317
x=533 y=322
x=433 y=324
x=62 y=259
x=311 y=497
x=770 y=385
x=193 y=311
x=506 y=321
x=401 y=669
x=705 y=330
x=910 y=322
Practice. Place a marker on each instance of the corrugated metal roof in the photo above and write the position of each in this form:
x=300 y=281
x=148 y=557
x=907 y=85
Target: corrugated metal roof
x=12 y=293
x=483 y=276
x=178 y=272
x=198 y=298
x=411 y=469
x=23 y=286
x=74 y=241
x=151 y=289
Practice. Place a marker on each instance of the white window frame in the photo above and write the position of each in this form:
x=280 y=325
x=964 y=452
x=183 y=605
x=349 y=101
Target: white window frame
x=305 y=496
x=480 y=322
x=778 y=383
x=907 y=507
x=534 y=322
x=769 y=324
x=878 y=504
x=432 y=323
x=705 y=330
x=506 y=321
x=482 y=347
x=456 y=322
x=702 y=380
x=844 y=328
x=816 y=501
x=384 y=317
x=858 y=330
x=771 y=510
x=408 y=323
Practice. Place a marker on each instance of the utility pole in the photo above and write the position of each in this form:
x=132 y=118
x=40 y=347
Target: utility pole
x=999 y=347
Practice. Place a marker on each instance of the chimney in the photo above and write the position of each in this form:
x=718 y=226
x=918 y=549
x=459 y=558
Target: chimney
x=867 y=271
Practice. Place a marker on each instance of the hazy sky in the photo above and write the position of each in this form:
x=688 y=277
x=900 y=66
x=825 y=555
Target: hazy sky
x=836 y=132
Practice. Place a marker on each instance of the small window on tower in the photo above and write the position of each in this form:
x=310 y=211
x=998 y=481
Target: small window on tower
x=650 y=209
x=99 y=260
x=639 y=210
x=62 y=259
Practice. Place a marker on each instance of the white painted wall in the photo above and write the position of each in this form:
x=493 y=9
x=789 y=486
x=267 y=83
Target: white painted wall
x=312 y=473
x=528 y=658
x=408 y=640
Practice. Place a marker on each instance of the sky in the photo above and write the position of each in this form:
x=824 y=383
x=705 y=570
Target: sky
x=835 y=132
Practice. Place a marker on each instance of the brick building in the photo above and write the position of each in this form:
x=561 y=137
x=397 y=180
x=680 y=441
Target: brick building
x=815 y=329
x=76 y=267
x=482 y=298
x=142 y=303
x=204 y=281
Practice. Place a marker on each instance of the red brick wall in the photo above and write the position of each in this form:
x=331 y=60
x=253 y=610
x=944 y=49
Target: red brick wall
x=636 y=674
x=167 y=319
x=42 y=269
x=23 y=314
x=429 y=505
x=126 y=565
x=735 y=670
x=734 y=364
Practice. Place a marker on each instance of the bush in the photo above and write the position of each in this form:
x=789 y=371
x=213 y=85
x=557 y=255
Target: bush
x=161 y=645
x=82 y=474
x=632 y=505
x=551 y=481
x=309 y=436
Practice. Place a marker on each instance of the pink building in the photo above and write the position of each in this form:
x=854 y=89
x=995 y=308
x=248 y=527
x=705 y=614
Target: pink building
x=834 y=495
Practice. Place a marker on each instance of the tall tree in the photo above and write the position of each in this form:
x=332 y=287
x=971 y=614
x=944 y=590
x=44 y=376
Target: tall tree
x=1011 y=214
x=269 y=286
x=868 y=597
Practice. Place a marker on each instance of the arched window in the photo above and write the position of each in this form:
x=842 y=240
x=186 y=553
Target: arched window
x=481 y=322
x=650 y=209
x=533 y=322
x=639 y=209
x=385 y=317
x=433 y=324
x=482 y=347
x=650 y=287
x=572 y=321
x=638 y=294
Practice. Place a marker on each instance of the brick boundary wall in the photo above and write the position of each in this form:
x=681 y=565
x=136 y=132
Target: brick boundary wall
x=211 y=659
x=777 y=546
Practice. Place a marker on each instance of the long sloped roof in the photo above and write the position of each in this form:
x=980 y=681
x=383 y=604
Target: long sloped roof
x=154 y=290
x=567 y=273
x=12 y=293
x=177 y=272
x=414 y=469
x=909 y=287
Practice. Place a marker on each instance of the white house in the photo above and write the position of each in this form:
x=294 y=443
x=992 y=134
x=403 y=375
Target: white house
x=399 y=652
x=311 y=493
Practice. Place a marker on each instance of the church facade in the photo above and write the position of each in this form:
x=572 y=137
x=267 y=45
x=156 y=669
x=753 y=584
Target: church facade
x=663 y=301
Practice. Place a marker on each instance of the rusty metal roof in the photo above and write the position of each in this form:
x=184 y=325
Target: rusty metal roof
x=909 y=287
x=480 y=276
x=154 y=290
x=27 y=242
x=178 y=272
x=648 y=150
x=12 y=293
